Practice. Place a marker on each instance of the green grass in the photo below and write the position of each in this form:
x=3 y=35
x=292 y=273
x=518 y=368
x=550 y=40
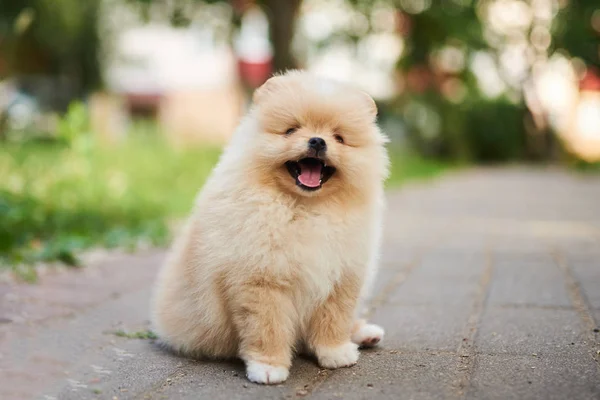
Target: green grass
x=136 y=335
x=585 y=167
x=57 y=200
x=407 y=166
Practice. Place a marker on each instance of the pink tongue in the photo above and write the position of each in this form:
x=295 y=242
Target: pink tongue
x=310 y=175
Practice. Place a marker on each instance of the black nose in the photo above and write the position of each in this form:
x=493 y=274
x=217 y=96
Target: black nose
x=317 y=143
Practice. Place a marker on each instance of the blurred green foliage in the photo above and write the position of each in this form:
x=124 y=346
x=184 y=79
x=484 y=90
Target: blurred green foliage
x=52 y=37
x=73 y=129
x=477 y=127
x=147 y=334
x=56 y=200
x=573 y=31
x=477 y=130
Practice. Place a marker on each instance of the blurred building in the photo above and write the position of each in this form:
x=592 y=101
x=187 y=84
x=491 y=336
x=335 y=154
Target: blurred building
x=183 y=77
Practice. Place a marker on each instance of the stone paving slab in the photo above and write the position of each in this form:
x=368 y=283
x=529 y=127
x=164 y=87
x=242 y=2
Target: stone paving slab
x=529 y=331
x=442 y=279
x=506 y=377
x=423 y=327
x=488 y=289
x=401 y=375
x=528 y=282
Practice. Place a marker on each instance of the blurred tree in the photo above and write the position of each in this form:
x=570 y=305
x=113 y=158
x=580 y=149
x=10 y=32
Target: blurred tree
x=577 y=30
x=428 y=82
x=445 y=109
x=52 y=38
x=282 y=15
x=441 y=103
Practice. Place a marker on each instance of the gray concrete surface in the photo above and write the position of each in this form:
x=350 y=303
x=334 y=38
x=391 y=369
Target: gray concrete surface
x=489 y=289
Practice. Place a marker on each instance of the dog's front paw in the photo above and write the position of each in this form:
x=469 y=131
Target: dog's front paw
x=368 y=335
x=265 y=373
x=344 y=355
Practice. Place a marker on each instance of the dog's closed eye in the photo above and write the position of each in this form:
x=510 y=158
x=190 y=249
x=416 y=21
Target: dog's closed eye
x=291 y=130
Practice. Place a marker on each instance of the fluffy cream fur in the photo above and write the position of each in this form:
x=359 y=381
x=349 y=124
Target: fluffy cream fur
x=264 y=266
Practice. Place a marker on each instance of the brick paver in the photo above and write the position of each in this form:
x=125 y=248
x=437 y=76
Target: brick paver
x=489 y=288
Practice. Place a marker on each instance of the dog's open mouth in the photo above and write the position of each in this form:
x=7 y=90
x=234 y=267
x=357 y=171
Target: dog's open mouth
x=310 y=173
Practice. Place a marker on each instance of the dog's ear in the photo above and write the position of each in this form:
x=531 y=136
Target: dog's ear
x=370 y=105
x=268 y=87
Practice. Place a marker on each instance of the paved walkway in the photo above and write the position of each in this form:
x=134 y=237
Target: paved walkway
x=489 y=289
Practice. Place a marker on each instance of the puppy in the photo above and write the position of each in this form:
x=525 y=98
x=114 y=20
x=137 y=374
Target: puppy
x=284 y=237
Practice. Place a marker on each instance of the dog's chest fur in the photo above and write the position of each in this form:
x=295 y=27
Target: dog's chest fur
x=311 y=246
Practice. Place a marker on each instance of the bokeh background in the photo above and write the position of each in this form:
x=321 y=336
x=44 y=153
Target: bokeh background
x=112 y=112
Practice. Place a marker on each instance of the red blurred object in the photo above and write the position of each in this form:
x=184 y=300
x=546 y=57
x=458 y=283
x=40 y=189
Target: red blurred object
x=241 y=6
x=419 y=78
x=403 y=23
x=590 y=81
x=145 y=105
x=254 y=74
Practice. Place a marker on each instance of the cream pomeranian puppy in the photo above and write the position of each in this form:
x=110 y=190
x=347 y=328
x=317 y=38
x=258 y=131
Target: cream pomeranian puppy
x=284 y=237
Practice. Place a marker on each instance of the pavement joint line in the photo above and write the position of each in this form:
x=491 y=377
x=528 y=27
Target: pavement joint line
x=307 y=389
x=466 y=350
x=535 y=307
x=157 y=387
x=403 y=274
x=396 y=281
x=580 y=303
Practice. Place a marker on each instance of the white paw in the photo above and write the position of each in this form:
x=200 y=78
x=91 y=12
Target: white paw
x=368 y=335
x=344 y=355
x=264 y=373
